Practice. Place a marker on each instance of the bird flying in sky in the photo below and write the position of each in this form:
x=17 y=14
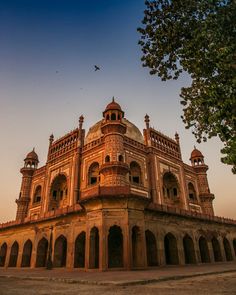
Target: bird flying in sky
x=96 y=68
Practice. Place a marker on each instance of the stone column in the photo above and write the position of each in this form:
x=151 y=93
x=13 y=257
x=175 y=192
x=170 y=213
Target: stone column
x=160 y=249
x=19 y=256
x=211 y=252
x=70 y=249
x=222 y=249
x=180 y=248
x=103 y=251
x=127 y=244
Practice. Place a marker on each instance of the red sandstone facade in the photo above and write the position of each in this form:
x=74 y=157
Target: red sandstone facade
x=115 y=199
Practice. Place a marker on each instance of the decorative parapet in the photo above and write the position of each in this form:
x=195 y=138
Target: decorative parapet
x=63 y=145
x=46 y=216
x=164 y=143
x=191 y=214
x=134 y=143
x=93 y=144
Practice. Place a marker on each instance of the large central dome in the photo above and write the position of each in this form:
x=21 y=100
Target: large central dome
x=132 y=132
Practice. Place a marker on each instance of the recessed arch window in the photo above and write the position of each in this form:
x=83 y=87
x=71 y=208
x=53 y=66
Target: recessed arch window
x=191 y=192
x=93 y=173
x=135 y=173
x=113 y=116
x=170 y=186
x=37 y=194
x=121 y=158
x=58 y=192
x=59 y=187
x=107 y=159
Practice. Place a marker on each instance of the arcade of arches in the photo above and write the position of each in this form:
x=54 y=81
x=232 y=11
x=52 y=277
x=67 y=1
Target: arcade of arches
x=84 y=251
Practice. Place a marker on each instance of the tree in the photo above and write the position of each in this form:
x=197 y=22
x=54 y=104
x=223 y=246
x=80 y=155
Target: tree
x=198 y=37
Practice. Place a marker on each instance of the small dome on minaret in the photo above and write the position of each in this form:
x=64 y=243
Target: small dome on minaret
x=31 y=160
x=196 y=157
x=113 y=107
x=32 y=156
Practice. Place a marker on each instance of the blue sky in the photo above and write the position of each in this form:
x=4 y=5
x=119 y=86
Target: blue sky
x=47 y=53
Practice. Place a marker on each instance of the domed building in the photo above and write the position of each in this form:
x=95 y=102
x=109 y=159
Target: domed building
x=115 y=198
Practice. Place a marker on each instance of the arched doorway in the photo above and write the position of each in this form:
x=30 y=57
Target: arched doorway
x=13 y=255
x=115 y=247
x=58 y=192
x=136 y=246
x=3 y=254
x=234 y=244
x=216 y=250
x=26 y=256
x=151 y=248
x=171 y=250
x=42 y=251
x=189 y=252
x=204 y=251
x=227 y=248
x=79 y=256
x=94 y=248
x=60 y=251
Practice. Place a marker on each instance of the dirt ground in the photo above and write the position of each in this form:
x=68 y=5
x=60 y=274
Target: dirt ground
x=210 y=284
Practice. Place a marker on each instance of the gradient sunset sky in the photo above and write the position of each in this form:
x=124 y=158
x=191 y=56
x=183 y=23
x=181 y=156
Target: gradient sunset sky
x=47 y=53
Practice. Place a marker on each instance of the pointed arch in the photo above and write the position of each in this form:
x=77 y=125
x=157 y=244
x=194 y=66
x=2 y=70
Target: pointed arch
x=113 y=117
x=151 y=248
x=204 y=251
x=37 y=194
x=3 y=254
x=170 y=186
x=115 y=247
x=58 y=191
x=189 y=252
x=14 y=254
x=93 y=173
x=216 y=249
x=79 y=255
x=107 y=158
x=135 y=173
x=191 y=192
x=94 y=248
x=171 y=250
x=60 y=252
x=227 y=248
x=121 y=158
x=42 y=250
x=26 y=255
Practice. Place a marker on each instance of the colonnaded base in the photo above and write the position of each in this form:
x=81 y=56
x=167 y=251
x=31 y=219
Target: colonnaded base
x=117 y=233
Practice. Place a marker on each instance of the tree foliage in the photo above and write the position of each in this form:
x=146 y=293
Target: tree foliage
x=198 y=37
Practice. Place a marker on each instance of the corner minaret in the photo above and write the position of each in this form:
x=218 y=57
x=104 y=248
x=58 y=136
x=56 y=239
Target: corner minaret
x=197 y=161
x=114 y=168
x=31 y=164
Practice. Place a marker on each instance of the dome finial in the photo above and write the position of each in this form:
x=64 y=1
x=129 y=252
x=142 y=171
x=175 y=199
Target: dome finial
x=51 y=139
x=147 y=120
x=113 y=99
x=81 y=121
